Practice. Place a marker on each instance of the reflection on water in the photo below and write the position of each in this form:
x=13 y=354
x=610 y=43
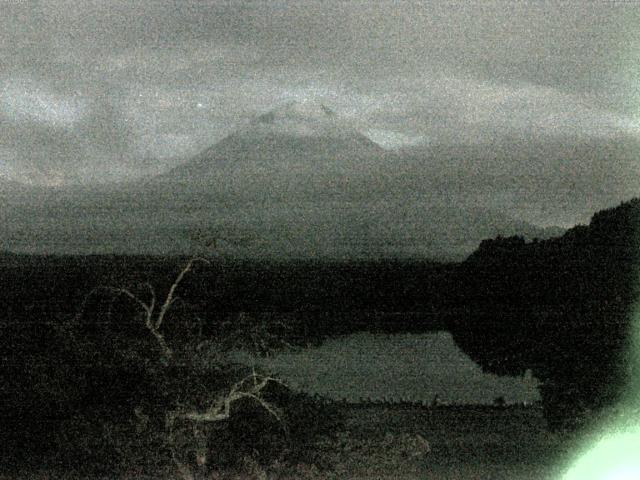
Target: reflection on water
x=413 y=367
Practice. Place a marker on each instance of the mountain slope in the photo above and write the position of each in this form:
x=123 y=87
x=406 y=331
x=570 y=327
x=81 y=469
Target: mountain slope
x=549 y=180
x=296 y=138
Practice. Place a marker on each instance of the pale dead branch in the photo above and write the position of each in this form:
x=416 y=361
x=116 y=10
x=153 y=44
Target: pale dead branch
x=152 y=321
x=172 y=290
x=251 y=386
x=221 y=407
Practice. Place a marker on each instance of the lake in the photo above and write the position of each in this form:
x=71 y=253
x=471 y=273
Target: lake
x=412 y=367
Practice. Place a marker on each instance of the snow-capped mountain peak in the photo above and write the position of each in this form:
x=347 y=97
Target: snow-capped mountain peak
x=295 y=109
x=307 y=118
x=294 y=137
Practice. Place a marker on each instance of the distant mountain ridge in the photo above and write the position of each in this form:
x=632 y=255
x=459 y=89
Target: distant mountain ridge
x=298 y=181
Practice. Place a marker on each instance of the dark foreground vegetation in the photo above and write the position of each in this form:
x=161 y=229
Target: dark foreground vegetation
x=562 y=307
x=86 y=384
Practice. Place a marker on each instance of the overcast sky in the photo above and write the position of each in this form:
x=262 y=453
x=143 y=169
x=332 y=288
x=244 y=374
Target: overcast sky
x=106 y=90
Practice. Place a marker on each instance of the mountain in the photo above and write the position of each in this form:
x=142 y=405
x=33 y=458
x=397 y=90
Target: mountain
x=302 y=181
x=297 y=138
x=14 y=193
x=298 y=181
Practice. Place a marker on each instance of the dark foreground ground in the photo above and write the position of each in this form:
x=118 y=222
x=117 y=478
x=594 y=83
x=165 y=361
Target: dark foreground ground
x=409 y=442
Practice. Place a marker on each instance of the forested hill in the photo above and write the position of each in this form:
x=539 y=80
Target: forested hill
x=561 y=307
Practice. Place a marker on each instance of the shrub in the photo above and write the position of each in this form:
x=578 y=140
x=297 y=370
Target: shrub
x=176 y=398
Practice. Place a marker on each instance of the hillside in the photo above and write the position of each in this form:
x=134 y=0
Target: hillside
x=562 y=307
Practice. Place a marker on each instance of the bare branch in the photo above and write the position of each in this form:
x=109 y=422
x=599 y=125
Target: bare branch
x=205 y=416
x=170 y=296
x=166 y=350
x=221 y=408
x=116 y=291
x=86 y=298
x=266 y=405
x=135 y=298
x=149 y=308
x=152 y=304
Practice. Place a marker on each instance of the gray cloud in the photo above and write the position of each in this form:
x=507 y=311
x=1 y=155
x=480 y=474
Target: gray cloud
x=59 y=137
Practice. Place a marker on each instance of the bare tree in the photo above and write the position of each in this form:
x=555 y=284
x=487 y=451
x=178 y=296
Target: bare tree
x=250 y=387
x=220 y=408
x=154 y=313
